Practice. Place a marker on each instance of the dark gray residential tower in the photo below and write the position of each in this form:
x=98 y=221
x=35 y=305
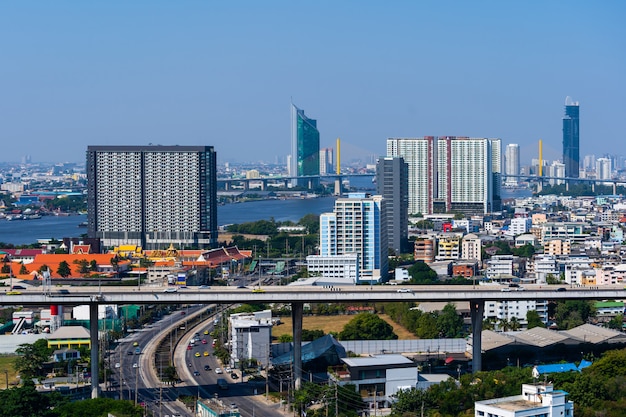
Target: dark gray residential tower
x=392 y=182
x=152 y=196
x=571 y=146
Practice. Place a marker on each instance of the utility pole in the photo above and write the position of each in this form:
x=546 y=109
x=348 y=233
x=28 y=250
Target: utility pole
x=336 y=399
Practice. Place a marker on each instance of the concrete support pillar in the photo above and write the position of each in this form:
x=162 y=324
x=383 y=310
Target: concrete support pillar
x=477 y=308
x=614 y=188
x=566 y=185
x=286 y=184
x=338 y=186
x=296 y=317
x=310 y=185
x=593 y=187
x=263 y=185
x=246 y=185
x=539 y=186
x=227 y=186
x=93 y=335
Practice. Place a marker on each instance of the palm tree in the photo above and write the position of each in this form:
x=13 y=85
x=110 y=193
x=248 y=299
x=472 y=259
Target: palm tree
x=514 y=323
x=504 y=324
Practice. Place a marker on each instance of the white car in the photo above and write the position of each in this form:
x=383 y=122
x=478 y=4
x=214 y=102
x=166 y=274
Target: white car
x=117 y=365
x=135 y=365
x=171 y=289
x=405 y=290
x=218 y=371
x=228 y=369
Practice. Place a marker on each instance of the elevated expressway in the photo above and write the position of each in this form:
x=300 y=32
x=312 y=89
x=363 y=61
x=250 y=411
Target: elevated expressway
x=297 y=296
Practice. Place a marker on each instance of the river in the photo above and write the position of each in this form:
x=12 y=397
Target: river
x=23 y=232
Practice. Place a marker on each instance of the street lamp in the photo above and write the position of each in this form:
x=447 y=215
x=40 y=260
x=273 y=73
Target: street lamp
x=136 y=381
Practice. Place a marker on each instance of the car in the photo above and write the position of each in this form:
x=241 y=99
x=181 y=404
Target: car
x=171 y=289
x=117 y=365
x=228 y=369
x=204 y=342
x=408 y=290
x=197 y=355
x=206 y=353
x=135 y=344
x=219 y=371
x=241 y=286
x=189 y=347
x=182 y=313
x=206 y=332
x=13 y=293
x=197 y=335
x=233 y=405
x=258 y=290
x=196 y=373
x=561 y=289
x=135 y=365
x=19 y=287
x=130 y=352
x=204 y=287
x=507 y=289
x=207 y=368
x=234 y=375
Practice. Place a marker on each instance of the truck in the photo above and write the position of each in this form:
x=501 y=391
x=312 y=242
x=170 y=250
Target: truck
x=222 y=384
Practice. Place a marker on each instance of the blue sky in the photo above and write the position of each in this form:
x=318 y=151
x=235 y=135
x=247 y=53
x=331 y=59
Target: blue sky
x=223 y=73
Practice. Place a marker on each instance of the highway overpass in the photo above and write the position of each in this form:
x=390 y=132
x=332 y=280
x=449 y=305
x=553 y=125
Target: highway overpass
x=297 y=296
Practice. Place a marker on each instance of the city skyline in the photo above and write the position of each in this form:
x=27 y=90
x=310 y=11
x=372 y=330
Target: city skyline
x=122 y=73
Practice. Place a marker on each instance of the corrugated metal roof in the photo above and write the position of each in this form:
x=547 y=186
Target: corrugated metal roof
x=378 y=360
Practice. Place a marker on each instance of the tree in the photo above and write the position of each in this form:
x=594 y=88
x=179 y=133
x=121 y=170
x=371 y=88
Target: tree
x=525 y=251
x=367 y=326
x=26 y=401
x=31 y=358
x=616 y=322
x=308 y=335
x=285 y=338
x=23 y=270
x=423 y=274
x=552 y=280
x=572 y=313
x=514 y=323
x=533 y=319
x=449 y=322
x=97 y=407
x=64 y=269
x=504 y=324
x=93 y=265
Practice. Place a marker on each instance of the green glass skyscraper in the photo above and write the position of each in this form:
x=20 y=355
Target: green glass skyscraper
x=305 y=148
x=571 y=146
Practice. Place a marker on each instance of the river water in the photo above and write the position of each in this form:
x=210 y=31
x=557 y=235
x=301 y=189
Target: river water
x=23 y=232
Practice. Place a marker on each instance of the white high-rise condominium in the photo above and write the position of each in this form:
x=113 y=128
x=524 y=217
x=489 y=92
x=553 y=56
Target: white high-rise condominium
x=451 y=173
x=603 y=169
x=357 y=225
x=152 y=196
x=420 y=154
x=512 y=164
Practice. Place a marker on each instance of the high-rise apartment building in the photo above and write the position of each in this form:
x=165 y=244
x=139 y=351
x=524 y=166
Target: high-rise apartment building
x=512 y=164
x=420 y=154
x=326 y=161
x=152 y=195
x=392 y=183
x=571 y=146
x=357 y=225
x=603 y=169
x=305 y=147
x=451 y=173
